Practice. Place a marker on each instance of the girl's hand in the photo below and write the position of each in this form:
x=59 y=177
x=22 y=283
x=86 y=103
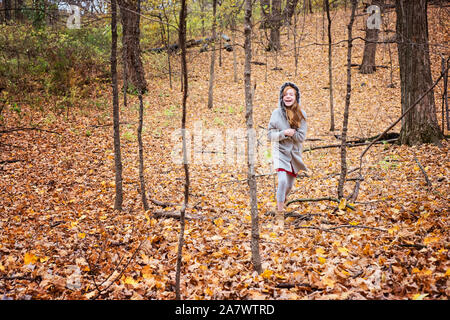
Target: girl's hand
x=289 y=132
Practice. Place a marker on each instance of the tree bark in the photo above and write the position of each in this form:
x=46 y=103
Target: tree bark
x=275 y=25
x=330 y=65
x=213 y=58
x=116 y=120
x=256 y=258
x=368 y=64
x=182 y=41
x=233 y=43
x=130 y=18
x=8 y=9
x=141 y=154
x=289 y=10
x=343 y=174
x=265 y=11
x=19 y=14
x=420 y=124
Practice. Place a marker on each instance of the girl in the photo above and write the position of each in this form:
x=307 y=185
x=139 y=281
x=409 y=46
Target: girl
x=287 y=131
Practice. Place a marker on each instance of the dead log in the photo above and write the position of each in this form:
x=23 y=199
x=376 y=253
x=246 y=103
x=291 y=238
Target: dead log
x=193 y=43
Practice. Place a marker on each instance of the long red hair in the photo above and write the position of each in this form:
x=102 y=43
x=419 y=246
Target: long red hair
x=294 y=113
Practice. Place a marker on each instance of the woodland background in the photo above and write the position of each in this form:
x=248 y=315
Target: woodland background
x=61 y=233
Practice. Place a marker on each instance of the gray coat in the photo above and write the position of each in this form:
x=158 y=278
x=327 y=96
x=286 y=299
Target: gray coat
x=286 y=150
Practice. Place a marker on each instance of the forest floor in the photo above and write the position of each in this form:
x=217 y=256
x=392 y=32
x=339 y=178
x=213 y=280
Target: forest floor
x=61 y=239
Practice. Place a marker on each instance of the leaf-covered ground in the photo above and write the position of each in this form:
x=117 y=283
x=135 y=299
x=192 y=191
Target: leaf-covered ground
x=61 y=239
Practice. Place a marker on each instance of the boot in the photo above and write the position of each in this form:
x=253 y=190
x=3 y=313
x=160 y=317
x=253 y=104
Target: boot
x=279 y=220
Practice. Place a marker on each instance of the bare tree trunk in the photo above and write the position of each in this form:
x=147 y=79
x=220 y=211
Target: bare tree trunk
x=275 y=25
x=330 y=65
x=289 y=10
x=130 y=39
x=182 y=42
x=256 y=258
x=445 y=96
x=368 y=64
x=347 y=105
x=265 y=10
x=116 y=120
x=8 y=9
x=19 y=13
x=233 y=40
x=294 y=34
x=420 y=125
x=169 y=52
x=141 y=153
x=220 y=44
x=125 y=78
x=213 y=58
x=202 y=10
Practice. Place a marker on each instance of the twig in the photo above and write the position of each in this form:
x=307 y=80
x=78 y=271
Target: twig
x=176 y=215
x=25 y=129
x=349 y=145
x=423 y=171
x=10 y=161
x=316 y=228
x=108 y=124
x=20 y=277
x=356 y=227
x=319 y=199
x=123 y=269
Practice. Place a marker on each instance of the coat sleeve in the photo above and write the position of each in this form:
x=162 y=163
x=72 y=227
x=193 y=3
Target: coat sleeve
x=300 y=133
x=274 y=133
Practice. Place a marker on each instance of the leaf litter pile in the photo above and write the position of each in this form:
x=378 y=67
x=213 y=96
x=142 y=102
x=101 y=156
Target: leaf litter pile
x=61 y=239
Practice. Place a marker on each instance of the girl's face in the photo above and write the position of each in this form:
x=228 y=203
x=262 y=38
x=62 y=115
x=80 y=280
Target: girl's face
x=289 y=97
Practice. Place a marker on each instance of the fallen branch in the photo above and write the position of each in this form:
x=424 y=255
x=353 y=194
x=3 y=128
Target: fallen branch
x=289 y=285
x=415 y=246
x=164 y=204
x=10 y=161
x=176 y=215
x=319 y=199
x=108 y=124
x=21 y=277
x=123 y=269
x=423 y=171
x=27 y=129
x=356 y=227
x=316 y=228
x=332 y=229
x=349 y=145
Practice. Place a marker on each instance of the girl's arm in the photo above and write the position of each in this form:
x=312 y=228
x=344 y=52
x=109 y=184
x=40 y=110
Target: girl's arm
x=300 y=133
x=274 y=134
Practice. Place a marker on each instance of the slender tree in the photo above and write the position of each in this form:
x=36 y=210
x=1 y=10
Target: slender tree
x=343 y=174
x=116 y=119
x=289 y=10
x=330 y=64
x=251 y=179
x=141 y=153
x=182 y=42
x=420 y=125
x=213 y=58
